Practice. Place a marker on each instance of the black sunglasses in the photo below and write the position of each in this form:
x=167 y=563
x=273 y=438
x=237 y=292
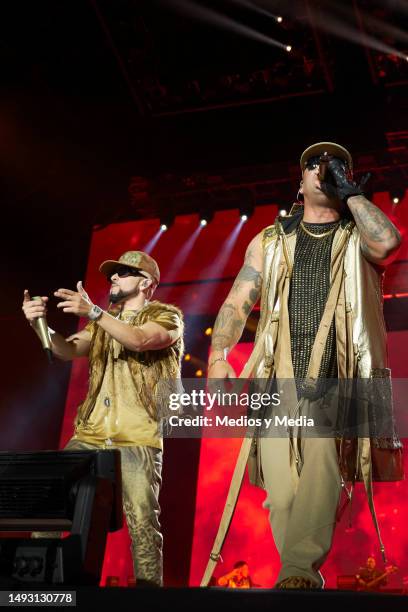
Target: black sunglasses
x=314 y=162
x=124 y=271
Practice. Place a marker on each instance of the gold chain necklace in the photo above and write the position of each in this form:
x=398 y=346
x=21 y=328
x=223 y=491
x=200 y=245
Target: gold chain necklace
x=330 y=231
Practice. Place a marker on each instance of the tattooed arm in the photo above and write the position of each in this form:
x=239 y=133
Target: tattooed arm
x=380 y=238
x=233 y=314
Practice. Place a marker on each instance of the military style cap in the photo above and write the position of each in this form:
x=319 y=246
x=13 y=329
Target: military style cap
x=331 y=148
x=134 y=259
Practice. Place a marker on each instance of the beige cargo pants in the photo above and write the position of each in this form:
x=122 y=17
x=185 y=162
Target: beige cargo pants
x=302 y=500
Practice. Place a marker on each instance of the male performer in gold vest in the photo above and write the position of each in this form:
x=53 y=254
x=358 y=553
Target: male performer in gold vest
x=323 y=263
x=131 y=348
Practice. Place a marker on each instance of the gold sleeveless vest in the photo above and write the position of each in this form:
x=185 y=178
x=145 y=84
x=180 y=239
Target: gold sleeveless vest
x=360 y=334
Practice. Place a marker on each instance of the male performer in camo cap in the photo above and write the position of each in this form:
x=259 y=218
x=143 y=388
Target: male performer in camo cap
x=130 y=348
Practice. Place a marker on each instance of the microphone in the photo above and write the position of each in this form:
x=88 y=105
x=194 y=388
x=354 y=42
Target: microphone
x=44 y=334
x=323 y=165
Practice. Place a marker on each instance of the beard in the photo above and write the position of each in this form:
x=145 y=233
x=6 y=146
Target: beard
x=115 y=298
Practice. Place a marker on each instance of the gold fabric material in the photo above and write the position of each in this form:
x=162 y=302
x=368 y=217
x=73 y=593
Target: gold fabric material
x=360 y=327
x=124 y=401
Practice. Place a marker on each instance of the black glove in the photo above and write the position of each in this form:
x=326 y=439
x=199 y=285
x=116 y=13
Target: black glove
x=341 y=186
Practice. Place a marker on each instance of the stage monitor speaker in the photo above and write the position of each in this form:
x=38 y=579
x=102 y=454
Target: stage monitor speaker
x=78 y=492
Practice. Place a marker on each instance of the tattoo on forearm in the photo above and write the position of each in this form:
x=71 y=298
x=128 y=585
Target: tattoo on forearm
x=231 y=321
x=373 y=224
x=228 y=327
x=249 y=304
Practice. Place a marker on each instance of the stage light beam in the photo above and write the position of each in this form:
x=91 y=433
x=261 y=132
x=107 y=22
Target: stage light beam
x=327 y=22
x=153 y=241
x=180 y=259
x=218 y=19
x=258 y=9
x=345 y=29
x=206 y=290
x=375 y=25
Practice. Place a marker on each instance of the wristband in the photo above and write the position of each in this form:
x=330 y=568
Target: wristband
x=215 y=361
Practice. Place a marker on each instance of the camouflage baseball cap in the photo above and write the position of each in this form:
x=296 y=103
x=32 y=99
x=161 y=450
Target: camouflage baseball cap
x=134 y=259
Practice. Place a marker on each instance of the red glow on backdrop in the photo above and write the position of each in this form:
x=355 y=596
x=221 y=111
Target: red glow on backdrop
x=199 y=286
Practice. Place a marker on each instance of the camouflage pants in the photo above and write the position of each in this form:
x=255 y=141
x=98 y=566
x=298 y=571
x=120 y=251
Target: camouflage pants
x=141 y=481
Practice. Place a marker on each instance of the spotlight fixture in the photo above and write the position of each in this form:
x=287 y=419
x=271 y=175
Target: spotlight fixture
x=208 y=331
x=187 y=357
x=166 y=221
x=205 y=217
x=279 y=19
x=246 y=208
x=283 y=212
x=288 y=48
x=199 y=373
x=397 y=194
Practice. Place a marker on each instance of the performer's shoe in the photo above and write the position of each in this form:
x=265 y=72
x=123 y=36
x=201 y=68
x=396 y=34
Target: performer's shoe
x=297 y=582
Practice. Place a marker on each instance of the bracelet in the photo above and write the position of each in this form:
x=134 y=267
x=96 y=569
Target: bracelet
x=215 y=361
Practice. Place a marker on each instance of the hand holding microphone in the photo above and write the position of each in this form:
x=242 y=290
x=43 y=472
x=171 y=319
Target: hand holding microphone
x=337 y=181
x=35 y=310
